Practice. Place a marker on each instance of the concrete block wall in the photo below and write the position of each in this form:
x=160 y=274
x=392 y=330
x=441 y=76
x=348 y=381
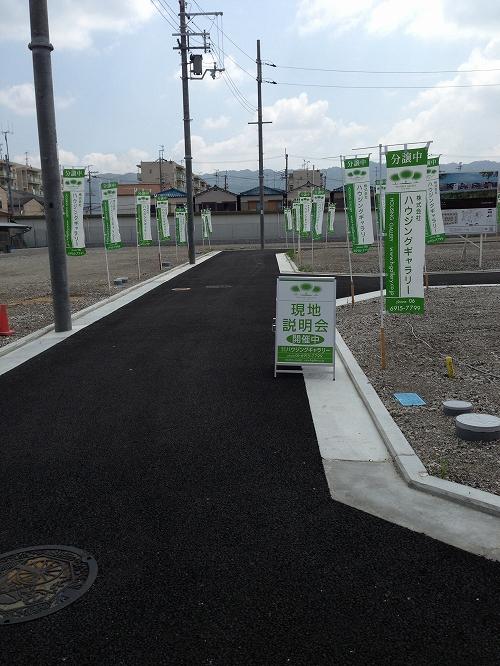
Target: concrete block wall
x=229 y=228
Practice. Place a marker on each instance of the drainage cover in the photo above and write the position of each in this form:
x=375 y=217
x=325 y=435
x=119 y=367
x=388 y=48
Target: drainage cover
x=37 y=581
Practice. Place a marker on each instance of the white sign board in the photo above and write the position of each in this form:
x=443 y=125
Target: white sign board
x=461 y=221
x=305 y=321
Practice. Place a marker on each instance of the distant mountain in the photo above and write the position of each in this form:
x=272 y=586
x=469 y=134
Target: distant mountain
x=246 y=179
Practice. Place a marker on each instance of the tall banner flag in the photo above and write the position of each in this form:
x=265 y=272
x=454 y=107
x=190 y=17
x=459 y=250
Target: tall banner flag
x=434 y=227
x=405 y=230
x=143 y=217
x=358 y=203
x=74 y=233
x=318 y=208
x=205 y=224
x=209 y=221
x=109 y=199
x=180 y=226
x=162 y=217
x=330 y=220
x=380 y=186
x=305 y=210
x=288 y=219
x=296 y=215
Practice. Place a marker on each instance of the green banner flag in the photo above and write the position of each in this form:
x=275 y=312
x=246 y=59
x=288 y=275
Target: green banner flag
x=109 y=199
x=143 y=217
x=162 y=217
x=305 y=210
x=405 y=230
x=358 y=203
x=74 y=233
x=180 y=226
x=318 y=209
x=331 y=217
x=434 y=227
x=296 y=215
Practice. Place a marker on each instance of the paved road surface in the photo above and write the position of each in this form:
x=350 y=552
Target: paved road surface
x=158 y=440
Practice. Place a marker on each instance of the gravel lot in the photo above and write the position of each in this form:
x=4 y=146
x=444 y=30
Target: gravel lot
x=462 y=323
x=443 y=257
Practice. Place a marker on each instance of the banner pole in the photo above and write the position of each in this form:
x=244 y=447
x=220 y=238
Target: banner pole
x=312 y=249
x=107 y=267
x=106 y=252
x=137 y=241
x=480 y=250
x=381 y=233
x=159 y=240
x=348 y=244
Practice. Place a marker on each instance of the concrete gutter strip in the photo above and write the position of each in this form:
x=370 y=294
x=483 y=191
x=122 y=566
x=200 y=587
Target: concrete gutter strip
x=160 y=279
x=406 y=460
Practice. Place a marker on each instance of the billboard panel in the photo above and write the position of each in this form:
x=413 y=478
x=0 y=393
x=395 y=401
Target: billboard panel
x=468 y=202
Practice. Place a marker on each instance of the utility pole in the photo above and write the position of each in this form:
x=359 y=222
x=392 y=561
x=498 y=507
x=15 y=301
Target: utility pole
x=225 y=181
x=286 y=178
x=7 y=164
x=217 y=178
x=259 y=123
x=160 y=160
x=91 y=174
x=41 y=47
x=196 y=68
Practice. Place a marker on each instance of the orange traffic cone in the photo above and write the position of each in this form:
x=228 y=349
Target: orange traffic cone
x=4 y=321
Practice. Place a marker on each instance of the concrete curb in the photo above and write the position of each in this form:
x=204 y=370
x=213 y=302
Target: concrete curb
x=160 y=278
x=406 y=460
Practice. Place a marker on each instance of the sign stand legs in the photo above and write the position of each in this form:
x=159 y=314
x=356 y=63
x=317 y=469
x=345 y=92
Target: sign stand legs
x=107 y=268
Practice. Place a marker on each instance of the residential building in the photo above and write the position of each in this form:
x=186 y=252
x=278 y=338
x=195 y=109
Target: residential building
x=23 y=177
x=216 y=199
x=299 y=177
x=126 y=196
x=167 y=174
x=273 y=199
x=4 y=202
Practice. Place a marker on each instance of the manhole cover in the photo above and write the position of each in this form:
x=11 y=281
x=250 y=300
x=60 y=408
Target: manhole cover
x=41 y=580
x=218 y=286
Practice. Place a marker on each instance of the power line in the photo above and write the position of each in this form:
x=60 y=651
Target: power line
x=382 y=87
x=165 y=17
x=376 y=71
x=229 y=38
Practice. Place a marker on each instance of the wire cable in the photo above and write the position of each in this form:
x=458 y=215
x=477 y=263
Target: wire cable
x=377 y=71
x=383 y=87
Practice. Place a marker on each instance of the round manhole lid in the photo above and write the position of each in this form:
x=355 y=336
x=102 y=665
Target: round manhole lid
x=479 y=422
x=456 y=407
x=40 y=580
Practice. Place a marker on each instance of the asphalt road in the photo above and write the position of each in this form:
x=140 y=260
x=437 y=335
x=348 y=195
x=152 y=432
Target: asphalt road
x=158 y=440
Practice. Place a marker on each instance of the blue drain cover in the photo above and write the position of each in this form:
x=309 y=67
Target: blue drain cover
x=409 y=399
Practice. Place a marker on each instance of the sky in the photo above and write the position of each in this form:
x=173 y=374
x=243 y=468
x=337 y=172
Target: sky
x=118 y=90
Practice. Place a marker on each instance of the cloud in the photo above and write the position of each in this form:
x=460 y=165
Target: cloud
x=304 y=127
x=425 y=19
x=103 y=162
x=20 y=99
x=216 y=123
x=73 y=25
x=461 y=121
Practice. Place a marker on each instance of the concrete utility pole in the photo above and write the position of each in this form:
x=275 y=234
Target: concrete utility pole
x=9 y=184
x=196 y=68
x=259 y=123
x=41 y=47
x=187 y=132
x=91 y=174
x=160 y=160
x=286 y=178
